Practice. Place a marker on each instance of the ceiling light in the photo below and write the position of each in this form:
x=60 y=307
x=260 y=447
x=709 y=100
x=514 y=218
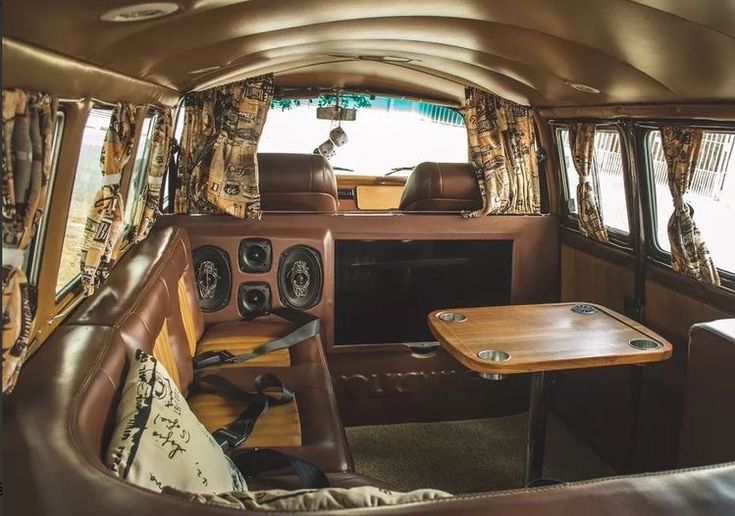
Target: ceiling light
x=204 y=70
x=583 y=88
x=387 y=59
x=140 y=12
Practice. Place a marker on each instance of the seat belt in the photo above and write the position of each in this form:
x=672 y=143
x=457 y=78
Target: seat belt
x=234 y=434
x=253 y=462
x=308 y=328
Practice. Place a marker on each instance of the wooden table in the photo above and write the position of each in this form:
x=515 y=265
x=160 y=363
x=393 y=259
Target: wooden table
x=501 y=340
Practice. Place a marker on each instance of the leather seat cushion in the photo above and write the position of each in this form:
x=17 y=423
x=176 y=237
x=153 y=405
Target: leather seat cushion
x=244 y=336
x=308 y=428
x=279 y=427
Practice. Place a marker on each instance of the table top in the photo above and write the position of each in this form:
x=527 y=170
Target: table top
x=546 y=337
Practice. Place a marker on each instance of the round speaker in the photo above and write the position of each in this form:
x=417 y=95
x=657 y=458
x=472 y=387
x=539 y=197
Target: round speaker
x=255 y=255
x=300 y=277
x=213 y=277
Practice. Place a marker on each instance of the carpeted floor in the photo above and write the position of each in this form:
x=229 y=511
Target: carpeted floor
x=467 y=456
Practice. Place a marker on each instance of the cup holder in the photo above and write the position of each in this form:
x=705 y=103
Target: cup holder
x=493 y=355
x=645 y=344
x=450 y=317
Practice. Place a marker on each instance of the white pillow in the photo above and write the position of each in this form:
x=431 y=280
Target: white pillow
x=159 y=442
x=330 y=498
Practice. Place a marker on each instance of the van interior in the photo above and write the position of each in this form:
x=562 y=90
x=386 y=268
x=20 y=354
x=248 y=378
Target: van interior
x=368 y=257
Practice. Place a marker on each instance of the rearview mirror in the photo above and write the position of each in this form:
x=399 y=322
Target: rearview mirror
x=336 y=113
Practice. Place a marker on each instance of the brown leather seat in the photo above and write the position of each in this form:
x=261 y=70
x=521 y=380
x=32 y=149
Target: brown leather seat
x=708 y=423
x=296 y=182
x=441 y=187
x=150 y=299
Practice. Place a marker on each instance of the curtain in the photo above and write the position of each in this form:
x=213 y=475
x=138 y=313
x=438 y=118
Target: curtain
x=689 y=254
x=502 y=140
x=218 y=170
x=29 y=122
x=147 y=208
x=582 y=146
x=104 y=224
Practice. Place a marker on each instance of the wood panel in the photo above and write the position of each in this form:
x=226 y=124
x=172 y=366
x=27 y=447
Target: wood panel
x=381 y=197
x=594 y=279
x=279 y=427
x=546 y=337
x=673 y=313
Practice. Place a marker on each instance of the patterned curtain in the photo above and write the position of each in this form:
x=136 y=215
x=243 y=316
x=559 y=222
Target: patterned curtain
x=29 y=122
x=104 y=225
x=218 y=171
x=582 y=146
x=160 y=150
x=689 y=254
x=502 y=139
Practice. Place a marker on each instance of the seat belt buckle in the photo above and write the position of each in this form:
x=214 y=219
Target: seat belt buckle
x=211 y=358
x=227 y=440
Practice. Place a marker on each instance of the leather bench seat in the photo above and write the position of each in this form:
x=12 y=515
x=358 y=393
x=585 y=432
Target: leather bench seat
x=150 y=299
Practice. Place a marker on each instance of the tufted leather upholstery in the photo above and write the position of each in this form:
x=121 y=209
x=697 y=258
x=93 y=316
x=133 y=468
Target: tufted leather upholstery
x=441 y=187
x=296 y=182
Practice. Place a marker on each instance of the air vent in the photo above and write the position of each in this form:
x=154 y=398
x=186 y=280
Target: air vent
x=140 y=12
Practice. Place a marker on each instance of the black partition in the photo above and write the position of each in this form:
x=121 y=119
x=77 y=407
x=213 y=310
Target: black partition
x=384 y=289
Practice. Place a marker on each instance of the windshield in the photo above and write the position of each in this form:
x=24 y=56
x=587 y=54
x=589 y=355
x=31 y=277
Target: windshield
x=389 y=136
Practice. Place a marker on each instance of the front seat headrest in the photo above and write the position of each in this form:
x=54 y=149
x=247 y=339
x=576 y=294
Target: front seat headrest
x=296 y=182
x=441 y=187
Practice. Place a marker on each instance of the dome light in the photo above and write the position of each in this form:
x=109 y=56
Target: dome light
x=140 y=12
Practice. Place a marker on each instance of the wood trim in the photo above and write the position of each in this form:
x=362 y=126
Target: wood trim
x=610 y=252
x=548 y=337
x=717 y=297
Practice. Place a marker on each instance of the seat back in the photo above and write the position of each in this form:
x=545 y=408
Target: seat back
x=441 y=187
x=150 y=299
x=296 y=182
x=708 y=422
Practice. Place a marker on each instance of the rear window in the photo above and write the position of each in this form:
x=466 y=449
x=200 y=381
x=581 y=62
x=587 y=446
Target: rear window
x=389 y=136
x=711 y=194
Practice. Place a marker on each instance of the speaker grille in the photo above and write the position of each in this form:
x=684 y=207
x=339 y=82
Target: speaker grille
x=300 y=277
x=213 y=277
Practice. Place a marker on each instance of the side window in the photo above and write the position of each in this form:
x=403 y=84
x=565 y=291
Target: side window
x=607 y=175
x=36 y=252
x=139 y=176
x=87 y=180
x=711 y=194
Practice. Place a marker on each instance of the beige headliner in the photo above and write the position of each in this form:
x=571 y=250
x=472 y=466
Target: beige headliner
x=634 y=51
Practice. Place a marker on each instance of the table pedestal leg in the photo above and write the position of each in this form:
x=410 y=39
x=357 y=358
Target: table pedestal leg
x=536 y=429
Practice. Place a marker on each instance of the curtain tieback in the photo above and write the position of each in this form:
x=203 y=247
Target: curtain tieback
x=14 y=257
x=111 y=179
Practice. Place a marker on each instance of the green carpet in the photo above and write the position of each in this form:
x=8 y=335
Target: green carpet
x=467 y=456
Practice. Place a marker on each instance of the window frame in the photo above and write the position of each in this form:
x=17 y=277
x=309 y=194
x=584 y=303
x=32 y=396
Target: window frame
x=34 y=257
x=74 y=286
x=129 y=226
x=617 y=238
x=655 y=253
